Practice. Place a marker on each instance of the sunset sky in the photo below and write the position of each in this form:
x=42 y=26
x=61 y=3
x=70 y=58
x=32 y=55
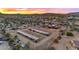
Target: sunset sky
x=37 y=10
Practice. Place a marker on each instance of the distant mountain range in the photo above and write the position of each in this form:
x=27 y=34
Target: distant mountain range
x=74 y=14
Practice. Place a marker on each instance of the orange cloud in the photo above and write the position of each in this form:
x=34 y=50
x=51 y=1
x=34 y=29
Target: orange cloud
x=32 y=10
x=19 y=11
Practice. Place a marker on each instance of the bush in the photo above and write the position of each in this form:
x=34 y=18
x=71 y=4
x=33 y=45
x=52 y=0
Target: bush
x=56 y=41
x=18 y=47
x=69 y=34
x=59 y=37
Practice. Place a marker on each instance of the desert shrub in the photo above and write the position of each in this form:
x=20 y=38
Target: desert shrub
x=69 y=34
x=17 y=47
x=59 y=37
x=56 y=41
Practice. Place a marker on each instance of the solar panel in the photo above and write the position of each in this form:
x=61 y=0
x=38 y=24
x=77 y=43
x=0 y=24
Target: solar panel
x=39 y=31
x=28 y=35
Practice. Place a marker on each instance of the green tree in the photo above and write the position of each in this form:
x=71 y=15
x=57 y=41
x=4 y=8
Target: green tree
x=69 y=34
